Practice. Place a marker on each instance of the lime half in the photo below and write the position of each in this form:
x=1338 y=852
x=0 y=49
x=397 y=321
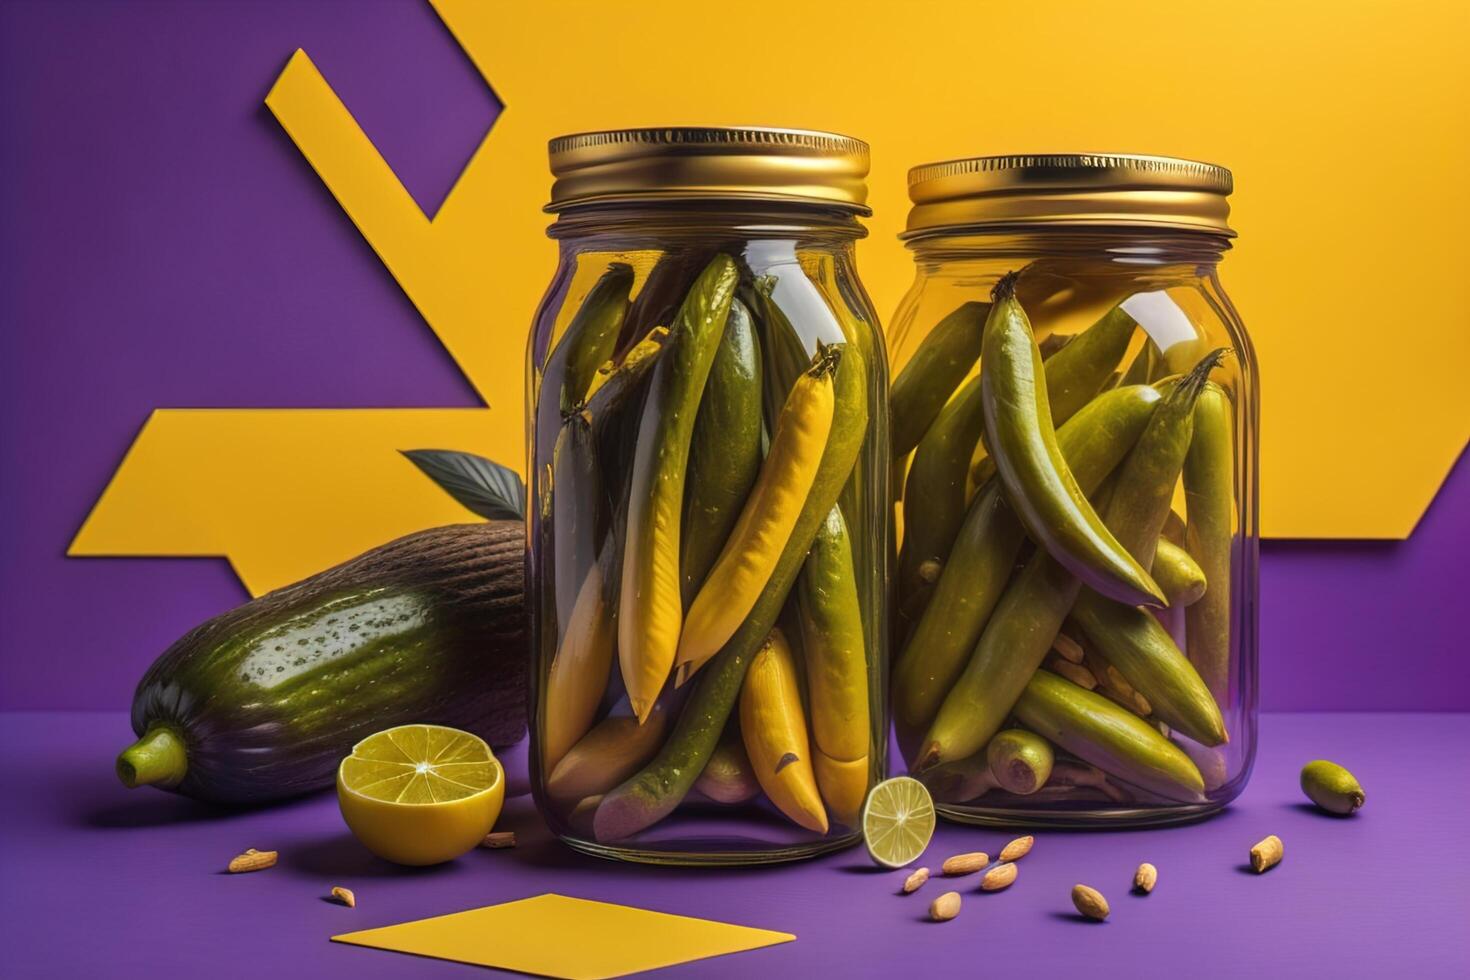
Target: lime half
x=898 y=821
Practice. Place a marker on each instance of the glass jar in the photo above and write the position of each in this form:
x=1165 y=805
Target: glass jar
x=1074 y=425
x=708 y=524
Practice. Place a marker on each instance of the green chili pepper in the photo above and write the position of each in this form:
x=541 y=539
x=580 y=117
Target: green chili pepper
x=786 y=354
x=1093 y=442
x=1144 y=653
x=579 y=509
x=1117 y=741
x=654 y=792
x=1076 y=372
x=836 y=660
x=1147 y=365
x=1015 y=641
x=1128 y=638
x=934 y=495
x=940 y=363
x=1209 y=494
x=1020 y=761
x=1144 y=486
x=662 y=293
x=725 y=454
x=591 y=336
x=1179 y=575
x=1038 y=483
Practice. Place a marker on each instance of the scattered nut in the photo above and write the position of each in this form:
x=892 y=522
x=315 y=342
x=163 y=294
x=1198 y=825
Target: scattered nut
x=1266 y=854
x=1089 y=902
x=915 y=881
x=945 y=907
x=998 y=877
x=965 y=864
x=1017 y=849
x=252 y=860
x=345 y=896
x=1069 y=648
x=499 y=839
x=1145 y=878
x=1076 y=673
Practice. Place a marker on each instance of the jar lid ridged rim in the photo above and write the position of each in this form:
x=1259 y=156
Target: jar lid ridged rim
x=708 y=163
x=1069 y=189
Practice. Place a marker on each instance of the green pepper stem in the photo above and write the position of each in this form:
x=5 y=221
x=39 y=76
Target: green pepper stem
x=156 y=759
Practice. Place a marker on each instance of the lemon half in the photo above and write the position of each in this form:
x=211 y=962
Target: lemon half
x=420 y=794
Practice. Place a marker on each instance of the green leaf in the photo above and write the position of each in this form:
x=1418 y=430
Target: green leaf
x=493 y=491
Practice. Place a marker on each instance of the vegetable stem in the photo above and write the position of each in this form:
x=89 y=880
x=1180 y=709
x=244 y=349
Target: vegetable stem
x=156 y=759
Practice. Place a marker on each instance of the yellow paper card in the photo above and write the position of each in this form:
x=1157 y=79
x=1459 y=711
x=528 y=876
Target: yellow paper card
x=558 y=936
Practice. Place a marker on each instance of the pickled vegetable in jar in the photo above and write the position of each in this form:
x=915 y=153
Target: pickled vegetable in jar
x=708 y=525
x=1074 y=437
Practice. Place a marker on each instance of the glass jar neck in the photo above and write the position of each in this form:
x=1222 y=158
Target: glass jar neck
x=1121 y=248
x=664 y=224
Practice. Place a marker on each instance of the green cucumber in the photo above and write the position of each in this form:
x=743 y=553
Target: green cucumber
x=263 y=702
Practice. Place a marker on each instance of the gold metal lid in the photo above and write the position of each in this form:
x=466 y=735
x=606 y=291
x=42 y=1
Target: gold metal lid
x=705 y=163
x=1085 y=189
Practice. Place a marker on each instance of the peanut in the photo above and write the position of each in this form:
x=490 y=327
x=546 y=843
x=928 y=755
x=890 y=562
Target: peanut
x=1089 y=902
x=1017 y=849
x=1076 y=673
x=945 y=907
x=345 y=896
x=252 y=860
x=1069 y=648
x=915 y=881
x=965 y=864
x=1266 y=855
x=499 y=839
x=998 y=877
x=1145 y=878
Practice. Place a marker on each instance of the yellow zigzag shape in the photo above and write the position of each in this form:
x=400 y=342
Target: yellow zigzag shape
x=1344 y=146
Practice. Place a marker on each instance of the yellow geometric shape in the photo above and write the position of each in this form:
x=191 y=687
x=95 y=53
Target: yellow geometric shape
x=1343 y=123
x=272 y=489
x=558 y=936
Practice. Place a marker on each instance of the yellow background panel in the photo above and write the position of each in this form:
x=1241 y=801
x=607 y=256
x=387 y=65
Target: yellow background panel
x=269 y=490
x=1344 y=124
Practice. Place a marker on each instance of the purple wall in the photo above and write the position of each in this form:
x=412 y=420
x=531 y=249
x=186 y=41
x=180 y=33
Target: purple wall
x=162 y=243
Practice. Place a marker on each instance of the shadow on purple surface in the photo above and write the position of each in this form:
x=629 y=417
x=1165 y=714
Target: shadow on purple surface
x=154 y=808
x=339 y=855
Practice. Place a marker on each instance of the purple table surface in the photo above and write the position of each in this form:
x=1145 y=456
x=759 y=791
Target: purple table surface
x=100 y=881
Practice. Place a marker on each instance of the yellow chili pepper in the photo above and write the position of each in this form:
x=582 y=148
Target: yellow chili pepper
x=775 y=734
x=740 y=574
x=578 y=675
x=613 y=750
x=650 y=603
